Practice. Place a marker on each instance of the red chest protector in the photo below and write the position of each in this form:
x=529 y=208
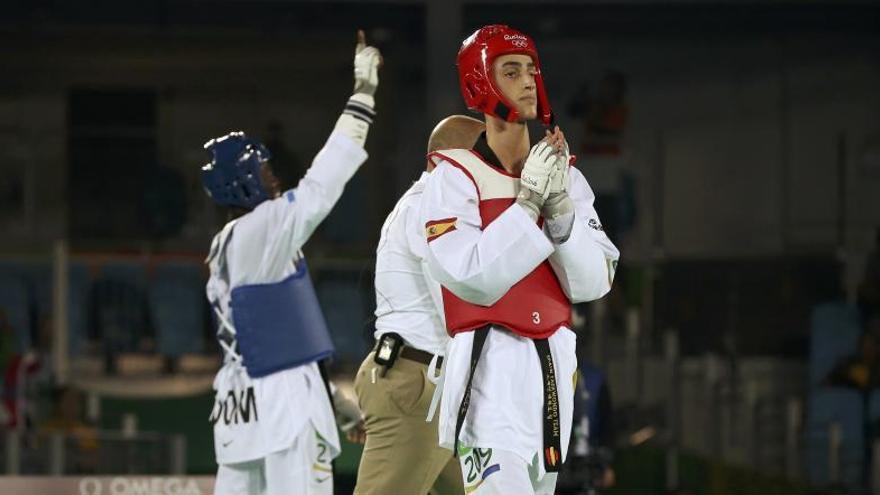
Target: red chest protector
x=535 y=307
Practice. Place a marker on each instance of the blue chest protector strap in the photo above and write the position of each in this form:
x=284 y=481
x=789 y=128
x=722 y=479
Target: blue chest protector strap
x=280 y=325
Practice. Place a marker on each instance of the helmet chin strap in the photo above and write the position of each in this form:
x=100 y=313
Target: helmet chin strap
x=503 y=111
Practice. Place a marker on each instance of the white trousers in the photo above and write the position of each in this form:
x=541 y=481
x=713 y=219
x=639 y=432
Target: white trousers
x=501 y=472
x=304 y=468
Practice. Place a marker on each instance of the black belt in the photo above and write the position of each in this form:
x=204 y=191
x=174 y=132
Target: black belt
x=406 y=352
x=552 y=449
x=419 y=356
x=552 y=452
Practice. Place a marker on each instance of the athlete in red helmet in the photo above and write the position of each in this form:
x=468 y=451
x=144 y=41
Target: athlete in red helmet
x=514 y=240
x=483 y=92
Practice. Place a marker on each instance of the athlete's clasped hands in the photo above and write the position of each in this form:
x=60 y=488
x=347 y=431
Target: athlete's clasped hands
x=546 y=169
x=545 y=172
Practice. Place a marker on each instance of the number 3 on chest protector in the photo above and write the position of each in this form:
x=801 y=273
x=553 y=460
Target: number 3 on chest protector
x=536 y=318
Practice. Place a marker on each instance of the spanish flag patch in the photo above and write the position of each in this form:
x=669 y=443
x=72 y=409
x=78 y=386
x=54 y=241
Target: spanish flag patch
x=436 y=228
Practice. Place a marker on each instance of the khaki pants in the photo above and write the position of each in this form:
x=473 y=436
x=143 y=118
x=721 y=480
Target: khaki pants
x=401 y=455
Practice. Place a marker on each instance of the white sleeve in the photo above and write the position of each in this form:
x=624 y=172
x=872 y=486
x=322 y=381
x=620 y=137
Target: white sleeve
x=585 y=263
x=298 y=211
x=435 y=291
x=415 y=238
x=477 y=265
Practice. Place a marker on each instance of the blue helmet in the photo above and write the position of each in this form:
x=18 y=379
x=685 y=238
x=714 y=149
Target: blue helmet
x=232 y=178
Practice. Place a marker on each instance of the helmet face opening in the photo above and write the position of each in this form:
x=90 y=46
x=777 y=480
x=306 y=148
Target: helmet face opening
x=475 y=58
x=232 y=177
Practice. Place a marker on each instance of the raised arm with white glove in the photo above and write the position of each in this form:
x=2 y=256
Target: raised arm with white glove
x=359 y=111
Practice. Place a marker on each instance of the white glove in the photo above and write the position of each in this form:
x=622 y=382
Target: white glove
x=367 y=60
x=535 y=179
x=558 y=209
x=539 y=166
x=559 y=177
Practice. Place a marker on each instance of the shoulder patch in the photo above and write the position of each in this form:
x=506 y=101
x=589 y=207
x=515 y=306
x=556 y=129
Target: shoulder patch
x=437 y=228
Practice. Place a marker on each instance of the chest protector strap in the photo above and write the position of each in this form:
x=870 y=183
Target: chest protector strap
x=280 y=325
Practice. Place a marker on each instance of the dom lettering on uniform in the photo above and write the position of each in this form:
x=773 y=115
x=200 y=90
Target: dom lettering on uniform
x=233 y=408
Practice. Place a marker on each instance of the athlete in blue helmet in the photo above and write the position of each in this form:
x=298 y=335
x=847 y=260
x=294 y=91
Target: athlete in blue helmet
x=274 y=426
x=239 y=175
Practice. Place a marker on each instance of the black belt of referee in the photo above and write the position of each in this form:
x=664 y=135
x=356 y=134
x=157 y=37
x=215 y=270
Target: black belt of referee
x=552 y=453
x=406 y=352
x=419 y=356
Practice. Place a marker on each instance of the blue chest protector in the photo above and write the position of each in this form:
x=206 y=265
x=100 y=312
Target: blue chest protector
x=280 y=325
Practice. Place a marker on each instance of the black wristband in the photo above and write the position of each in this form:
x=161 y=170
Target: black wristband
x=359 y=111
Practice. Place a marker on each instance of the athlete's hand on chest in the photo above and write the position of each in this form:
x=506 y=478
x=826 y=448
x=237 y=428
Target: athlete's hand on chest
x=559 y=176
x=543 y=163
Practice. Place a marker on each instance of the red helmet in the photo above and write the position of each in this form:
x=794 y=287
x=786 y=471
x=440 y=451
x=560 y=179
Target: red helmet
x=474 y=63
